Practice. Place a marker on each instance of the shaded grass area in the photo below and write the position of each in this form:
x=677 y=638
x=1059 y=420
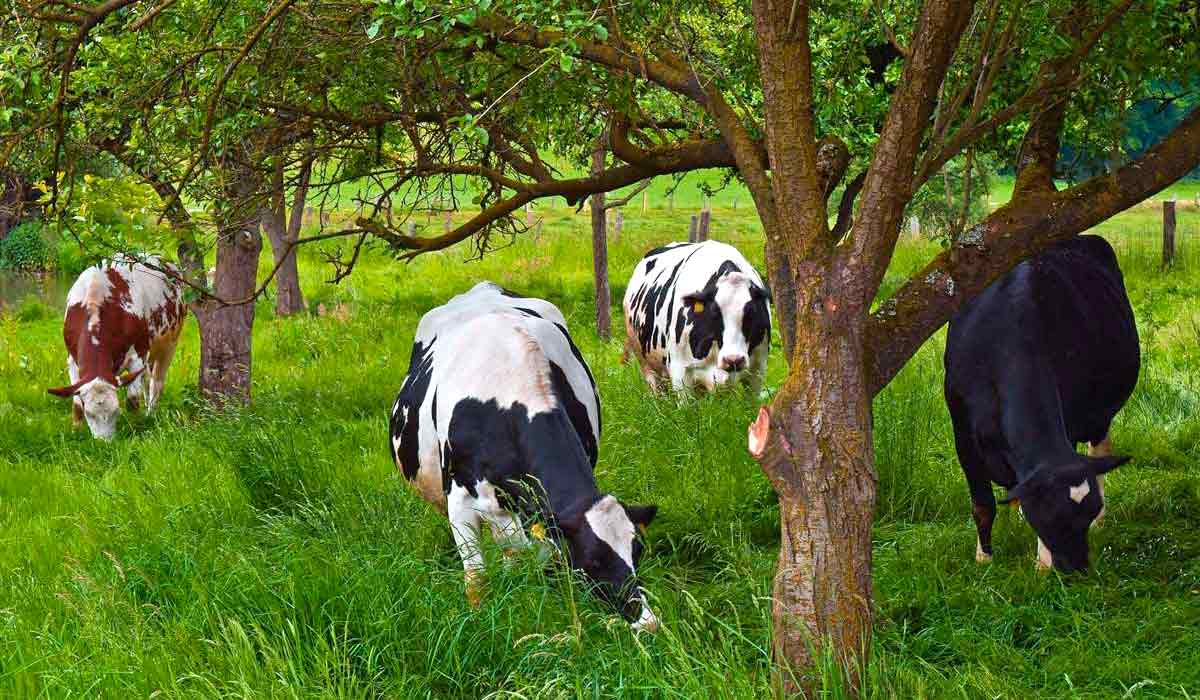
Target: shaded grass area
x=274 y=552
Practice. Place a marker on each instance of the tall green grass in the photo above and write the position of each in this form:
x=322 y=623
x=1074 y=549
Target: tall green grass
x=274 y=552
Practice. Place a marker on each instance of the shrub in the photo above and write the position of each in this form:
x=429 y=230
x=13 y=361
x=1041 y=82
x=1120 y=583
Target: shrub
x=25 y=248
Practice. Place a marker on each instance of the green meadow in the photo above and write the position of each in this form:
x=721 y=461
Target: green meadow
x=275 y=552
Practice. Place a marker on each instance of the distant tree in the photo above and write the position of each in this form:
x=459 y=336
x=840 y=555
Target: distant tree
x=792 y=96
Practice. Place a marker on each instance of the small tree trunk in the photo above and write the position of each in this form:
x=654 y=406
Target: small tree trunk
x=814 y=443
x=289 y=298
x=1168 y=251
x=225 y=330
x=600 y=255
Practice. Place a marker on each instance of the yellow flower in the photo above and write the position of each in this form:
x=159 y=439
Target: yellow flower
x=698 y=307
x=538 y=531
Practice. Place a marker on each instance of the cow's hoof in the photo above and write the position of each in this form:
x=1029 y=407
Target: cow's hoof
x=982 y=557
x=475 y=590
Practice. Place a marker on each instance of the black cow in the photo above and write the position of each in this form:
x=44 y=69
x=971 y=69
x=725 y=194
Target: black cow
x=498 y=418
x=1042 y=360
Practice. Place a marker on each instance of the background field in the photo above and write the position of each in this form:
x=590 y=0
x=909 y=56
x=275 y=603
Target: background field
x=275 y=553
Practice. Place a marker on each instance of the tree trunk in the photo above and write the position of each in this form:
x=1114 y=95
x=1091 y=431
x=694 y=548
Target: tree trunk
x=289 y=298
x=814 y=443
x=600 y=255
x=226 y=329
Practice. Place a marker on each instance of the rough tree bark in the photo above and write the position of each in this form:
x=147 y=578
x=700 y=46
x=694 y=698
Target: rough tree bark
x=226 y=328
x=600 y=254
x=282 y=230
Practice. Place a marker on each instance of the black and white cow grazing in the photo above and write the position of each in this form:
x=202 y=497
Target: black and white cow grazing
x=699 y=315
x=499 y=418
x=1042 y=360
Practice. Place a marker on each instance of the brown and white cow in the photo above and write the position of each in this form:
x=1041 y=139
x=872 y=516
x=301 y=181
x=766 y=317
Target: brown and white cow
x=122 y=322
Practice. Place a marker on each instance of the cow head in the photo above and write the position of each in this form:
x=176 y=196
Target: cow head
x=730 y=312
x=1060 y=502
x=99 y=400
x=603 y=542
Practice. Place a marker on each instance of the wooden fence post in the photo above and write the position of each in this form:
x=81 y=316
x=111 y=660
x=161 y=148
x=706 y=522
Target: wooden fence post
x=671 y=202
x=705 y=220
x=618 y=222
x=447 y=224
x=412 y=229
x=646 y=201
x=1168 y=252
x=529 y=214
x=693 y=229
x=914 y=227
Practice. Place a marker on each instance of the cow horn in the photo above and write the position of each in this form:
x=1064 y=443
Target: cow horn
x=67 y=392
x=127 y=378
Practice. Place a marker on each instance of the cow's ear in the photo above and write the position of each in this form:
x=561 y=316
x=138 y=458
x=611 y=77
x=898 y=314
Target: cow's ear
x=1103 y=465
x=641 y=516
x=66 y=392
x=763 y=292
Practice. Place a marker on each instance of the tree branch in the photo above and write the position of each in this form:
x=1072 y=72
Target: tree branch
x=1013 y=233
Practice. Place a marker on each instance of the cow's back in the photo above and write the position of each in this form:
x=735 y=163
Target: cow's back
x=484 y=357
x=1065 y=312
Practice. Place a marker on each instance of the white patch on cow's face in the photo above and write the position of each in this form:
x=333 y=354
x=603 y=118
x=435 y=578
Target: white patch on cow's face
x=612 y=525
x=100 y=407
x=733 y=294
x=1080 y=492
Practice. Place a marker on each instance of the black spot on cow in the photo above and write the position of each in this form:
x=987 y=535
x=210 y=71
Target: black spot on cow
x=650 y=265
x=528 y=311
x=576 y=411
x=662 y=249
x=756 y=319
x=591 y=380
x=405 y=423
x=652 y=301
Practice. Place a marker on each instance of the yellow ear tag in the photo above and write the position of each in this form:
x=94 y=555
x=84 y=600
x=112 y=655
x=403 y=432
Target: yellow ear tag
x=698 y=307
x=642 y=527
x=538 y=531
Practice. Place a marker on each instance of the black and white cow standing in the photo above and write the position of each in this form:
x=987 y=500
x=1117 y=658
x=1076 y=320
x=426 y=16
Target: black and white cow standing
x=698 y=315
x=1042 y=360
x=498 y=418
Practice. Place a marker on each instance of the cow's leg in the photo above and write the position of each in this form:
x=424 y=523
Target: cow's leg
x=464 y=523
x=136 y=390
x=76 y=402
x=983 y=501
x=1044 y=560
x=983 y=510
x=757 y=371
x=1100 y=449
